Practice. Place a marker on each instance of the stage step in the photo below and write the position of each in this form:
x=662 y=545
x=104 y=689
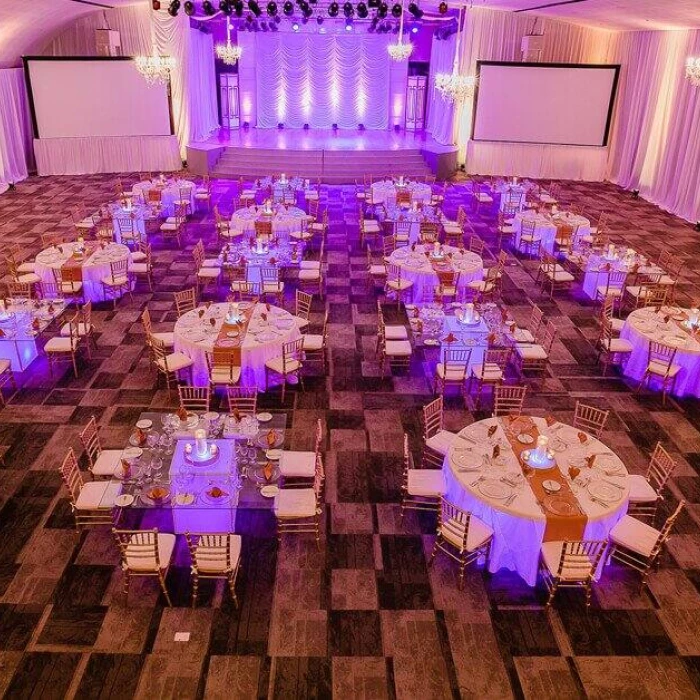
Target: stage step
x=334 y=167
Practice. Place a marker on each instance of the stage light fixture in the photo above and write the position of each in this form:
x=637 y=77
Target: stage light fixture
x=238 y=8
x=333 y=9
x=361 y=127
x=334 y=126
x=280 y=125
x=272 y=9
x=295 y=27
x=396 y=10
x=306 y=11
x=288 y=8
x=362 y=10
x=208 y=8
x=306 y=127
x=414 y=29
x=319 y=20
x=155 y=5
x=173 y=8
x=382 y=10
x=415 y=10
x=442 y=8
x=254 y=7
x=189 y=8
x=348 y=25
x=263 y=26
x=348 y=9
x=373 y=4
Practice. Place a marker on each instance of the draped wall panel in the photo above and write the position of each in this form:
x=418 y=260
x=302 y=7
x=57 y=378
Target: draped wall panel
x=15 y=127
x=320 y=80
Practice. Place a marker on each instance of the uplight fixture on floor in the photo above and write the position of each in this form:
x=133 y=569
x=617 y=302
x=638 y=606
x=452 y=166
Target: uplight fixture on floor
x=228 y=53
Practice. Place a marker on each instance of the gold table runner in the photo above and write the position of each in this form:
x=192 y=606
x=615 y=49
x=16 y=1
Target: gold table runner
x=559 y=527
x=72 y=268
x=232 y=348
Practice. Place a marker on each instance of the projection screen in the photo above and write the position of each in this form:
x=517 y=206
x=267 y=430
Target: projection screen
x=544 y=103
x=79 y=97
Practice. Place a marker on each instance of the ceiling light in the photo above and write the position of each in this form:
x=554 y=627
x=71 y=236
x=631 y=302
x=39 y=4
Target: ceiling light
x=271 y=8
x=189 y=8
x=415 y=10
x=208 y=8
x=333 y=9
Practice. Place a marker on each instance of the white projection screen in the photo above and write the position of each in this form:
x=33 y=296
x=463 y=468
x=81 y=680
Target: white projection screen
x=78 y=97
x=543 y=103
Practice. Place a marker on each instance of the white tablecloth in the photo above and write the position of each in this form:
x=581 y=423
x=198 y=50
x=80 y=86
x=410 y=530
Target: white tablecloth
x=519 y=527
x=506 y=190
x=419 y=270
x=286 y=220
x=136 y=214
x=195 y=337
x=384 y=192
x=645 y=325
x=94 y=269
x=546 y=226
x=598 y=268
x=170 y=192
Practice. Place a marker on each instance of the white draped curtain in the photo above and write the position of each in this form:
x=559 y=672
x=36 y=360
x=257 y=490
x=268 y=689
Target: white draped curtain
x=656 y=134
x=441 y=112
x=15 y=128
x=320 y=80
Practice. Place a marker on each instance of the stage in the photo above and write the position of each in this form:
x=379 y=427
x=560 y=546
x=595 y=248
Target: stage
x=335 y=156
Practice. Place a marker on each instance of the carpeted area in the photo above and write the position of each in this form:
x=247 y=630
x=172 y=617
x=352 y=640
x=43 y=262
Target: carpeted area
x=365 y=616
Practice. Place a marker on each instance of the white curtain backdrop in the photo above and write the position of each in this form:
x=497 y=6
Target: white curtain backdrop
x=656 y=133
x=201 y=93
x=15 y=128
x=321 y=79
x=440 y=112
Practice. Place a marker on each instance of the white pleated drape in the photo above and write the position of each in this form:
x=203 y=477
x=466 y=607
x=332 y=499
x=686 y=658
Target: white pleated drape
x=441 y=113
x=201 y=92
x=656 y=134
x=15 y=128
x=320 y=80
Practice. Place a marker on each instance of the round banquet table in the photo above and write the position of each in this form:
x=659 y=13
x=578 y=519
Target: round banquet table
x=597 y=269
x=645 y=325
x=195 y=337
x=94 y=269
x=384 y=192
x=546 y=226
x=170 y=192
x=285 y=220
x=417 y=268
x=519 y=527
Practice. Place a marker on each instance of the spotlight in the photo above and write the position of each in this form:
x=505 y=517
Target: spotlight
x=373 y=4
x=348 y=9
x=306 y=11
x=304 y=20
x=361 y=127
x=280 y=125
x=208 y=8
x=238 y=8
x=362 y=10
x=442 y=8
x=254 y=7
x=371 y=28
x=348 y=25
x=295 y=27
x=697 y=225
x=189 y=8
x=288 y=8
x=174 y=7
x=263 y=26
x=319 y=20
x=397 y=127
x=333 y=9
x=382 y=10
x=246 y=125
x=414 y=30
x=272 y=9
x=278 y=19
x=415 y=10
x=155 y=5
x=396 y=10
x=635 y=194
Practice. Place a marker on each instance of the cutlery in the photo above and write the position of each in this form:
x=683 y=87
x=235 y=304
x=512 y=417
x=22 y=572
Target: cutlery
x=510 y=499
x=605 y=504
x=612 y=483
x=481 y=478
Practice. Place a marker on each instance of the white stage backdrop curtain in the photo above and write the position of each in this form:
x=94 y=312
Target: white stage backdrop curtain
x=201 y=95
x=440 y=112
x=493 y=35
x=320 y=80
x=15 y=128
x=656 y=134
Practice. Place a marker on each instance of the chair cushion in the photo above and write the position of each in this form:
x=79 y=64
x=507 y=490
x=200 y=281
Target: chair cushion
x=426 y=482
x=551 y=556
x=26 y=267
x=531 y=352
x=168 y=227
x=138 y=256
x=276 y=365
x=309 y=265
x=29 y=278
x=313 y=342
x=301 y=322
x=298 y=464
x=441 y=441
x=208 y=272
x=59 y=344
x=377 y=270
x=447 y=290
x=273 y=287
x=211 y=262
x=166 y=546
x=212 y=560
x=225 y=375
x=491 y=372
x=452 y=373
x=399 y=285
x=602 y=291
x=479 y=533
x=310 y=275
x=616 y=345
x=398 y=348
x=295 y=503
x=483 y=197
x=661 y=369
x=140 y=268
x=641 y=491
x=119 y=281
x=522 y=335
x=98 y=495
x=558 y=274
x=371 y=226
x=300 y=235
x=395 y=333
x=175 y=361
x=81 y=328
x=106 y=463
x=635 y=535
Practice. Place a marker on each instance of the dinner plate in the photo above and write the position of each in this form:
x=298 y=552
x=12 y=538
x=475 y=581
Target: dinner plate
x=431 y=342
x=196 y=336
x=144 y=424
x=551 y=485
x=265 y=336
x=232 y=334
x=274 y=455
x=132 y=453
x=264 y=417
x=559 y=505
x=269 y=491
x=468 y=460
x=525 y=439
x=492 y=488
x=228 y=343
x=604 y=491
x=206 y=497
x=124 y=500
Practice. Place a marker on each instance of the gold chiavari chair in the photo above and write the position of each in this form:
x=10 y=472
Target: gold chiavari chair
x=271 y=283
x=185 y=301
x=224 y=366
x=172 y=227
x=535 y=357
x=447 y=286
x=169 y=364
x=429 y=232
x=59 y=347
x=461 y=536
x=590 y=419
x=376 y=272
x=436 y=440
x=661 y=366
x=102 y=463
x=214 y=556
x=491 y=372
x=302 y=308
x=369 y=228
x=144 y=268
x=530 y=239
x=315 y=344
x=551 y=274
x=243 y=399
x=194 y=399
x=396 y=285
x=508 y=400
x=402 y=231
x=289 y=364
x=611 y=348
x=118 y=281
x=298 y=511
x=421 y=488
x=453 y=369
x=646 y=493
x=298 y=467
x=83 y=327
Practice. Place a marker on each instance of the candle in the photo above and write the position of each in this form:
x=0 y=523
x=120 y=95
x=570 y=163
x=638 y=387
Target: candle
x=283 y=178
x=694 y=316
x=436 y=249
x=200 y=439
x=542 y=442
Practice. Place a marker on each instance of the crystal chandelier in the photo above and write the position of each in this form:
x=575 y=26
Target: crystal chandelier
x=400 y=51
x=155 y=68
x=692 y=71
x=454 y=87
x=229 y=53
